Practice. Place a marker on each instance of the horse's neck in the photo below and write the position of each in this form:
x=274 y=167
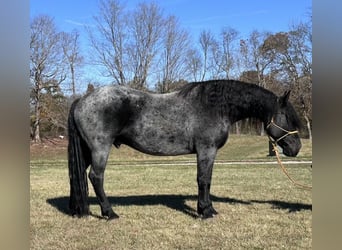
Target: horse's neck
x=259 y=104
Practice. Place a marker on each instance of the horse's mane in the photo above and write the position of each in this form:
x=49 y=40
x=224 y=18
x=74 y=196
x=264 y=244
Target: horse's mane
x=221 y=92
x=224 y=93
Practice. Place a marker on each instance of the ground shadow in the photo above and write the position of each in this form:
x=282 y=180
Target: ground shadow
x=291 y=206
x=176 y=202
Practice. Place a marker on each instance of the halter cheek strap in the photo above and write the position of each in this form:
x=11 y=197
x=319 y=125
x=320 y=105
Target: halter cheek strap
x=287 y=132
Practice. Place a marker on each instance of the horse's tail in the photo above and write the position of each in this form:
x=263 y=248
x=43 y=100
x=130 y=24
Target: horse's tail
x=78 y=203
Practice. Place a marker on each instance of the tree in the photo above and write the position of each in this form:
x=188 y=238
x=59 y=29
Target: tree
x=47 y=67
x=71 y=50
x=292 y=57
x=206 y=40
x=175 y=44
x=194 y=64
x=259 y=59
x=55 y=56
x=146 y=26
x=227 y=58
x=54 y=112
x=109 y=40
x=299 y=68
x=274 y=49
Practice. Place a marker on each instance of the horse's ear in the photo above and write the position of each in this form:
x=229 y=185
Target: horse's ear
x=284 y=98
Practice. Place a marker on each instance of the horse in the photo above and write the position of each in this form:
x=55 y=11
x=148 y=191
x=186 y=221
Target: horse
x=195 y=119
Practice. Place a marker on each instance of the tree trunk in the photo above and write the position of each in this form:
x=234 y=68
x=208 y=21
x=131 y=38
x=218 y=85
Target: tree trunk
x=308 y=125
x=73 y=88
x=237 y=126
x=262 y=129
x=36 y=132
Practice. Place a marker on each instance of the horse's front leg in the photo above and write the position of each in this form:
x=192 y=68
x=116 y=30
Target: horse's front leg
x=205 y=163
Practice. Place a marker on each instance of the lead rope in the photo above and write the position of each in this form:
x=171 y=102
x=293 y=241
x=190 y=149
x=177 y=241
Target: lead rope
x=275 y=149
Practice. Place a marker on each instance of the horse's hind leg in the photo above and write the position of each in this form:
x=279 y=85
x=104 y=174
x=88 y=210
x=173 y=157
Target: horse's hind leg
x=96 y=176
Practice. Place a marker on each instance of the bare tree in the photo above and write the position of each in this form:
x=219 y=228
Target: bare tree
x=47 y=68
x=109 y=40
x=146 y=26
x=261 y=62
x=206 y=40
x=173 y=55
x=71 y=50
x=215 y=66
x=228 y=37
x=194 y=64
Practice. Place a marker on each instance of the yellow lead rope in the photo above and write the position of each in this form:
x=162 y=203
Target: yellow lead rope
x=285 y=170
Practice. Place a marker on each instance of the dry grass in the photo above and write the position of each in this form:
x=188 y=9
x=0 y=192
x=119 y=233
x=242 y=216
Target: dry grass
x=258 y=207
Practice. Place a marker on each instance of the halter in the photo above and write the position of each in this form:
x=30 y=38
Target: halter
x=274 y=144
x=287 y=132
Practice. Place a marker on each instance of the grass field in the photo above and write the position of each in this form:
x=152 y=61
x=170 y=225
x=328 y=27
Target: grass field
x=155 y=198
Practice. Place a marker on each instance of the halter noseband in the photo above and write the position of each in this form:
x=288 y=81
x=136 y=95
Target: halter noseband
x=282 y=137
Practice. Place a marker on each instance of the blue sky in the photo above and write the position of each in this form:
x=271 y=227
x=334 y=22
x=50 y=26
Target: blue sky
x=195 y=16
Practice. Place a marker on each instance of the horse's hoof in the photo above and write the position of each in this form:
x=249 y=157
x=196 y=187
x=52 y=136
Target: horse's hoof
x=79 y=212
x=213 y=211
x=208 y=213
x=207 y=216
x=112 y=217
x=80 y=215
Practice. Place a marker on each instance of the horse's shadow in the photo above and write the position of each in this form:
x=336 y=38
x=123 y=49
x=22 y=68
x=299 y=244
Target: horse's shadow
x=176 y=202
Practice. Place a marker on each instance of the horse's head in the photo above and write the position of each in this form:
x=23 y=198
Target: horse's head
x=283 y=126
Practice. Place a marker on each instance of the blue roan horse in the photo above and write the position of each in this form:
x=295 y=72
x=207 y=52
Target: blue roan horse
x=193 y=120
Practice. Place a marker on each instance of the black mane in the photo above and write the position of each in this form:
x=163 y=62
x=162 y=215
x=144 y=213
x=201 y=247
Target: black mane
x=240 y=99
x=210 y=87
x=247 y=98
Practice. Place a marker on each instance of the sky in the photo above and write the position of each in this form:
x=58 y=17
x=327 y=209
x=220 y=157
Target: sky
x=194 y=15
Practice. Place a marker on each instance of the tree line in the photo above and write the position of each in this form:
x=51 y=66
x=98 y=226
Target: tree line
x=145 y=49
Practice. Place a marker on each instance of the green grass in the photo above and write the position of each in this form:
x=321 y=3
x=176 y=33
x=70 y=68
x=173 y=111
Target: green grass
x=258 y=207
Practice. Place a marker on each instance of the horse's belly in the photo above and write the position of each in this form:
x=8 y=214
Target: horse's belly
x=158 y=142
x=158 y=148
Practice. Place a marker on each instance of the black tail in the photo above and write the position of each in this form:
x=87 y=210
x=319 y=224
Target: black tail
x=78 y=202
